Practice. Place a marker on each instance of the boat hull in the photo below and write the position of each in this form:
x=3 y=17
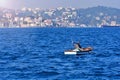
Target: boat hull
x=70 y=52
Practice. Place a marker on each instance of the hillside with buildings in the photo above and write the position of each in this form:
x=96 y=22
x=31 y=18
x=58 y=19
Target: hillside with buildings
x=60 y=17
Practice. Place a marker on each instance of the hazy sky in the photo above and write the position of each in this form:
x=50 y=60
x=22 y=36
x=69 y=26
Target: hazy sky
x=58 y=3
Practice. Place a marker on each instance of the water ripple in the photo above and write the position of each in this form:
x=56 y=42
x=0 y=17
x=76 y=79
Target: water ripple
x=37 y=54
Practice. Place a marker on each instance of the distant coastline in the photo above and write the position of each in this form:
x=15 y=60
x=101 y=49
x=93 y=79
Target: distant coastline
x=103 y=26
x=109 y=26
x=59 y=17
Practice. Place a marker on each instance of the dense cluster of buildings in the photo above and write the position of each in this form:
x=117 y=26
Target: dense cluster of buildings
x=59 y=17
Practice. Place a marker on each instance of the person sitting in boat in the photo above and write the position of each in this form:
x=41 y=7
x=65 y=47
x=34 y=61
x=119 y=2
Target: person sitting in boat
x=78 y=47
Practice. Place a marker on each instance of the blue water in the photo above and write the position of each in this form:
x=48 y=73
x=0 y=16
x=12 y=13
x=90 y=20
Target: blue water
x=38 y=54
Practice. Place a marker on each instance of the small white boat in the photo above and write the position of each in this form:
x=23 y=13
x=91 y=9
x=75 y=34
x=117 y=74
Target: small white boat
x=75 y=52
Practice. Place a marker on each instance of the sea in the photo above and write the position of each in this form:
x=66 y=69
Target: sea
x=38 y=54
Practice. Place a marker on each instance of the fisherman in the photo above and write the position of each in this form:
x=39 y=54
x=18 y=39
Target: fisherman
x=78 y=47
